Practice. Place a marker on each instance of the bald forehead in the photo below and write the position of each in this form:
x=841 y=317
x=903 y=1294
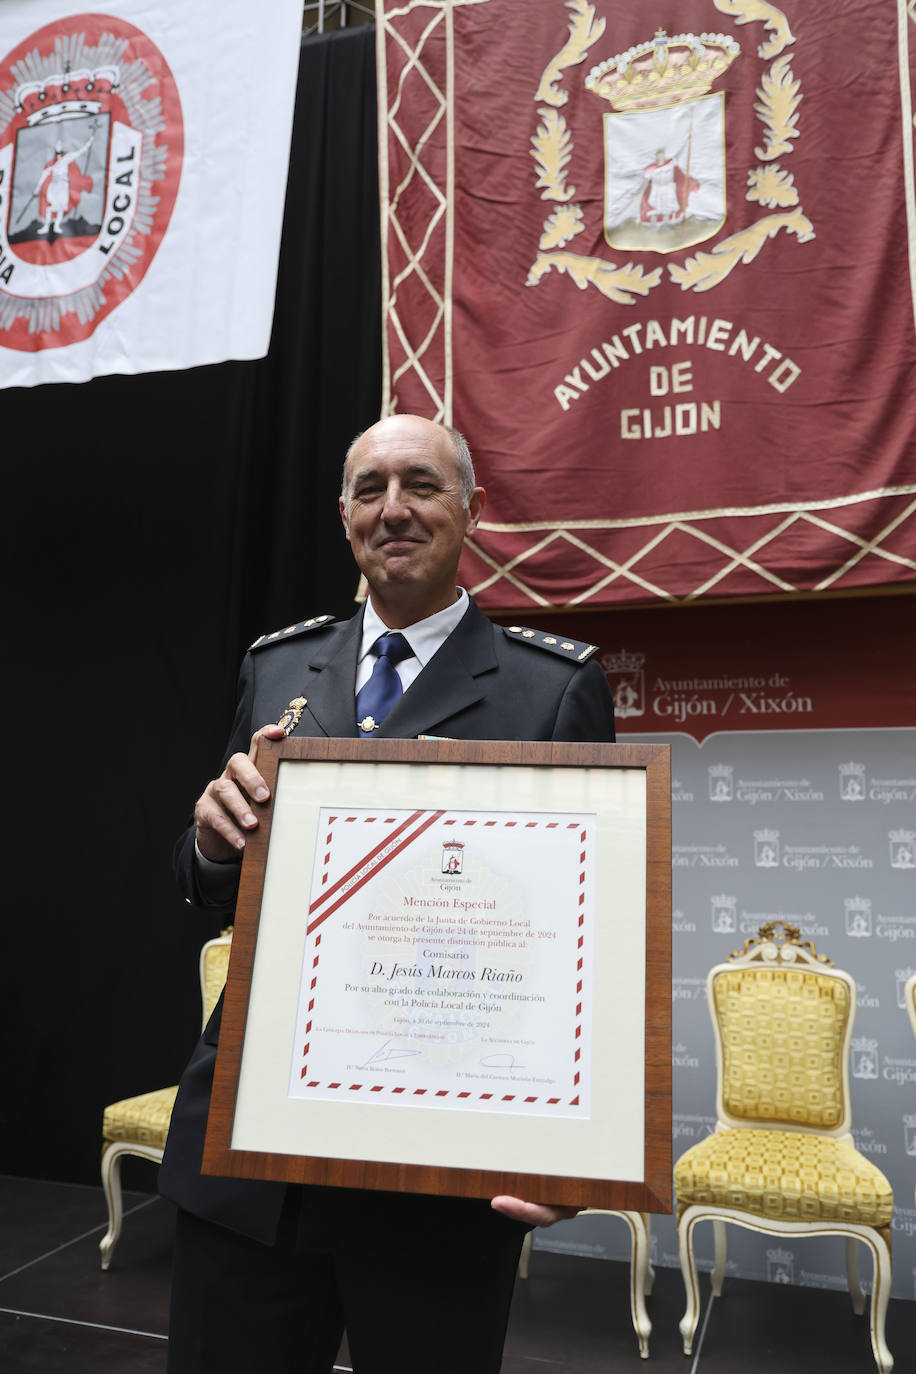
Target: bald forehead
x=415 y=443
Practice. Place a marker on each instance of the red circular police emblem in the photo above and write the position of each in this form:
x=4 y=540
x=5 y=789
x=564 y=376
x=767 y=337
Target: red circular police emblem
x=91 y=146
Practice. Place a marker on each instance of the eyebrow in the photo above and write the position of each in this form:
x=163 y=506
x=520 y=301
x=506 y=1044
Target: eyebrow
x=415 y=470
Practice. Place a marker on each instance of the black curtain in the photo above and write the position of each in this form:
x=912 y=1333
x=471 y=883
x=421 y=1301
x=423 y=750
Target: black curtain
x=159 y=524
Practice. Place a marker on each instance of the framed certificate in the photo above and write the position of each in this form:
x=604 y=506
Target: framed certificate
x=450 y=973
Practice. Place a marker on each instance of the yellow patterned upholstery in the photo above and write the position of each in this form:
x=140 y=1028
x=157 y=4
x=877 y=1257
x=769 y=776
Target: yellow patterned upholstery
x=782 y=1036
x=214 y=964
x=139 y=1125
x=144 y=1119
x=782 y=1158
x=784 y=1174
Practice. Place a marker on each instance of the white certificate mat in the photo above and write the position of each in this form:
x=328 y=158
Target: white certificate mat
x=450 y=969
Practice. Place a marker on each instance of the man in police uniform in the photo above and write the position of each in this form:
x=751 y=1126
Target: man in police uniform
x=268 y=1275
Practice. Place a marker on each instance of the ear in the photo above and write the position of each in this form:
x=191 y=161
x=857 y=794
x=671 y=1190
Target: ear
x=343 y=516
x=475 y=509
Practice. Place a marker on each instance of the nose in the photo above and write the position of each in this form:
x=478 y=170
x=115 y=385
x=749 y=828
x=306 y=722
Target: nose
x=395 y=510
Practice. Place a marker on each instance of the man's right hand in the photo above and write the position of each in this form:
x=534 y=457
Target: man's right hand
x=223 y=812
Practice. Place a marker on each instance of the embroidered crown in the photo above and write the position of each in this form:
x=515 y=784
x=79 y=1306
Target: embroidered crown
x=663 y=71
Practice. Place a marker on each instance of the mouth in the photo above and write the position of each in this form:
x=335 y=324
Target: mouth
x=396 y=542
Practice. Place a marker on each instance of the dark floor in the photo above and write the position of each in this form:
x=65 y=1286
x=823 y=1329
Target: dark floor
x=59 y=1314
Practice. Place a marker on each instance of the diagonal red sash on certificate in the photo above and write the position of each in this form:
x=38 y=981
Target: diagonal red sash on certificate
x=371 y=863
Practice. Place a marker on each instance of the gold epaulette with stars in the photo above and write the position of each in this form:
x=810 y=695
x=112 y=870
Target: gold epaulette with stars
x=576 y=650
x=301 y=628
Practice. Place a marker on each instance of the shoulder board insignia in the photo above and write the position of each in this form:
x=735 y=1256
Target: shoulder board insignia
x=575 y=650
x=290 y=631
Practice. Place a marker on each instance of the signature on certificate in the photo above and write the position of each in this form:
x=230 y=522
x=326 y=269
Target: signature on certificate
x=501 y=1061
x=385 y=1052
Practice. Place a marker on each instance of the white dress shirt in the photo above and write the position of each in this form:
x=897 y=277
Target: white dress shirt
x=424 y=638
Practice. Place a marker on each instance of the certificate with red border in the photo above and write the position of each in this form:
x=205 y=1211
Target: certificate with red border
x=451 y=973
x=449 y=961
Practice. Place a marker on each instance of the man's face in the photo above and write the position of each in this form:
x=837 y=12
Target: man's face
x=404 y=516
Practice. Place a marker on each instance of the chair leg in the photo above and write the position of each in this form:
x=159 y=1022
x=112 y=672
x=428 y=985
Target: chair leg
x=524 y=1258
x=640 y=1280
x=688 y=1323
x=852 y=1276
x=720 y=1238
x=880 y=1292
x=111 y=1187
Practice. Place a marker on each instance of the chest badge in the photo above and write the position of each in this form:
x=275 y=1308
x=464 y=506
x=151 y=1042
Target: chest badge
x=292 y=715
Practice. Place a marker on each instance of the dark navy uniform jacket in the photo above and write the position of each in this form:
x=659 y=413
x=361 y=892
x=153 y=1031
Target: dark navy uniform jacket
x=486 y=682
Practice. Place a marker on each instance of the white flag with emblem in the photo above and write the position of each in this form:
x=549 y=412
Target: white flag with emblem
x=143 y=164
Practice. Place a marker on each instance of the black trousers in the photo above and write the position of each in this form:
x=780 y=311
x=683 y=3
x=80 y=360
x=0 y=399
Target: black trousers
x=418 y=1283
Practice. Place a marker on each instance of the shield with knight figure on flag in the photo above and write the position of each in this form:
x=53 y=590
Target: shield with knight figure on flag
x=57 y=199
x=664 y=147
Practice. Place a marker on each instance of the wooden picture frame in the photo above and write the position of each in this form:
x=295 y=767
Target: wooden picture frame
x=608 y=1144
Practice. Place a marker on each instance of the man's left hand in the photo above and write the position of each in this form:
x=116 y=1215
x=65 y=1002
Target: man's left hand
x=532 y=1213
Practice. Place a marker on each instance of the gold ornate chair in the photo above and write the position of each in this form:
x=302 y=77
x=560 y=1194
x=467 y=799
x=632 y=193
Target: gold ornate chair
x=642 y=1275
x=781 y=1159
x=139 y=1125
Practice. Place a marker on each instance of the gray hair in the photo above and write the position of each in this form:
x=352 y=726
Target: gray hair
x=467 y=478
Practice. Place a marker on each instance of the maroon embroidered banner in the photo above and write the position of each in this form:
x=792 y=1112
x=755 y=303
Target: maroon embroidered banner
x=657 y=264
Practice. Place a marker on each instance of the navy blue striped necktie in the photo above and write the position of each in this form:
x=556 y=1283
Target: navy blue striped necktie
x=375 y=699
